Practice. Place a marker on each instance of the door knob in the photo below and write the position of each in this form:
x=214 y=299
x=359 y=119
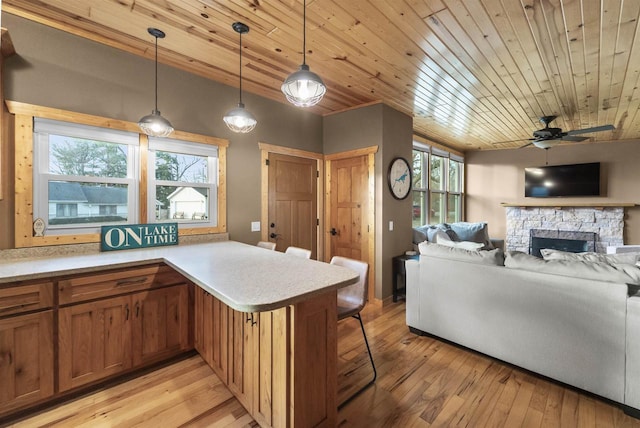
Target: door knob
x=333 y=231
x=274 y=235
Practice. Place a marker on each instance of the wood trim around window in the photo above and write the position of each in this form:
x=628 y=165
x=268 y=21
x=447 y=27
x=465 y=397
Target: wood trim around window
x=24 y=114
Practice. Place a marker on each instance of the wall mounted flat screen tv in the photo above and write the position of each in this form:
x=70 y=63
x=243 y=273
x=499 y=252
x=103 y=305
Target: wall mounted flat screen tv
x=562 y=180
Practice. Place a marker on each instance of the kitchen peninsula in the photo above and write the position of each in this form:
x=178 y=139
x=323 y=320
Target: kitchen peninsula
x=264 y=321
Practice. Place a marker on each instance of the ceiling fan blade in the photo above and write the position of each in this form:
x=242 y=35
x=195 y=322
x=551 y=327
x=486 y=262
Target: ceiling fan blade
x=512 y=141
x=572 y=138
x=589 y=130
x=526 y=145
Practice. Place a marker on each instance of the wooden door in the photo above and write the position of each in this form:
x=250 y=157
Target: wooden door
x=26 y=359
x=349 y=206
x=211 y=332
x=161 y=324
x=241 y=356
x=293 y=218
x=94 y=341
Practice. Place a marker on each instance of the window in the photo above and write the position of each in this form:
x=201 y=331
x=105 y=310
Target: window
x=78 y=171
x=82 y=176
x=437 y=186
x=183 y=181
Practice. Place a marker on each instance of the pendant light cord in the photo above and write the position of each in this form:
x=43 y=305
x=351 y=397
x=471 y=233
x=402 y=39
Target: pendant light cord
x=241 y=67
x=156 y=73
x=304 y=32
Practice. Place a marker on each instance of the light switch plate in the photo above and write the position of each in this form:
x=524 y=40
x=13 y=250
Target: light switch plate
x=391 y=226
x=255 y=226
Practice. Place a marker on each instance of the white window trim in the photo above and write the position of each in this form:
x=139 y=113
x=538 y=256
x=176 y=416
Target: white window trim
x=42 y=128
x=434 y=151
x=190 y=148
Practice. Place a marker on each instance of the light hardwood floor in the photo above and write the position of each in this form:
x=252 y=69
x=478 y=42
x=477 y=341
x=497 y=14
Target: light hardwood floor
x=421 y=382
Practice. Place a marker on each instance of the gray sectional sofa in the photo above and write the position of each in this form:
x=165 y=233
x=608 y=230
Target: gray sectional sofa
x=576 y=321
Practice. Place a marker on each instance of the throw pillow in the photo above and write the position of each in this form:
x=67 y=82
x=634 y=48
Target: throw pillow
x=474 y=232
x=420 y=234
x=619 y=273
x=629 y=258
x=440 y=227
x=491 y=257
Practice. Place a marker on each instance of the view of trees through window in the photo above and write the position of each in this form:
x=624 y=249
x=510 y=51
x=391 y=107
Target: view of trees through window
x=176 y=196
x=437 y=188
x=88 y=189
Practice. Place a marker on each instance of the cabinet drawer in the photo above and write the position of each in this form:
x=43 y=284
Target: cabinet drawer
x=96 y=286
x=16 y=299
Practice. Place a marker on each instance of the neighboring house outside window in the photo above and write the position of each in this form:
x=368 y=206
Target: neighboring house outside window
x=183 y=180
x=437 y=186
x=79 y=170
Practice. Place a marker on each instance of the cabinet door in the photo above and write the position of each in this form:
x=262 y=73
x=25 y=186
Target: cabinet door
x=271 y=357
x=161 y=324
x=94 y=340
x=26 y=359
x=211 y=331
x=241 y=356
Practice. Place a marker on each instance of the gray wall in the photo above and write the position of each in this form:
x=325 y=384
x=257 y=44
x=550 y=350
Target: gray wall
x=392 y=132
x=57 y=69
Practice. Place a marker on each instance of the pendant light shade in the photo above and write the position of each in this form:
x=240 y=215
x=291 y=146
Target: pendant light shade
x=304 y=88
x=154 y=124
x=240 y=119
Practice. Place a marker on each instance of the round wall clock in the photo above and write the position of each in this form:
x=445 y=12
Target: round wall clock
x=399 y=178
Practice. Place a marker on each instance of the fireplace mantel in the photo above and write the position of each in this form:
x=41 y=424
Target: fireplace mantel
x=552 y=204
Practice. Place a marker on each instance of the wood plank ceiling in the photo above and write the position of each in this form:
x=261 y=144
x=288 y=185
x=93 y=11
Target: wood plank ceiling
x=471 y=73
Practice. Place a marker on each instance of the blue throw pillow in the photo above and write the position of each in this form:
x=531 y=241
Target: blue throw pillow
x=474 y=232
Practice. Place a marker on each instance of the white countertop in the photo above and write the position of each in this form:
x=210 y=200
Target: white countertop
x=245 y=277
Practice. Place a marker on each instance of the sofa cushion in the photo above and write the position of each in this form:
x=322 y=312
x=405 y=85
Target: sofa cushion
x=474 y=232
x=465 y=245
x=618 y=273
x=629 y=258
x=489 y=257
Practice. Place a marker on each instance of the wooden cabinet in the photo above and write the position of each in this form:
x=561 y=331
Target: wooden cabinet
x=160 y=324
x=94 y=341
x=241 y=351
x=211 y=332
x=119 y=320
x=26 y=344
x=26 y=359
x=273 y=376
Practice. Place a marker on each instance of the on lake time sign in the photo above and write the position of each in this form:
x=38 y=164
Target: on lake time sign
x=132 y=236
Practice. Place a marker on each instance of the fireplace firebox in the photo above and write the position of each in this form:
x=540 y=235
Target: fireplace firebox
x=563 y=240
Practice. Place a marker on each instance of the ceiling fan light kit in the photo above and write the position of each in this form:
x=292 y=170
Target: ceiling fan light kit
x=303 y=88
x=154 y=124
x=240 y=119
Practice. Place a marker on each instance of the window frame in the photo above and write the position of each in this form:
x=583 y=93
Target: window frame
x=427 y=151
x=22 y=118
x=182 y=147
x=42 y=176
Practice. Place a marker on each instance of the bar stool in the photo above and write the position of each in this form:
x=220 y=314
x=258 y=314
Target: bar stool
x=351 y=301
x=266 y=244
x=298 y=252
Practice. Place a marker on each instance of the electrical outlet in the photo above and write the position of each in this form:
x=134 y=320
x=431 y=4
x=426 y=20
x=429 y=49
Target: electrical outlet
x=255 y=226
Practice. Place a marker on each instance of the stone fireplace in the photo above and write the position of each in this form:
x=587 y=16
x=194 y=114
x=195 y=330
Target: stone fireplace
x=606 y=222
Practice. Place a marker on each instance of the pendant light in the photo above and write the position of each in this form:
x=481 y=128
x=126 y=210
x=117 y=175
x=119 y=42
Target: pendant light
x=304 y=88
x=239 y=119
x=154 y=124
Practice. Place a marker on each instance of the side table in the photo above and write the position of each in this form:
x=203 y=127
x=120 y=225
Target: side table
x=399 y=270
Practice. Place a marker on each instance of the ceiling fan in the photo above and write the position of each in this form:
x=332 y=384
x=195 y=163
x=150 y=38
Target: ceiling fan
x=548 y=137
